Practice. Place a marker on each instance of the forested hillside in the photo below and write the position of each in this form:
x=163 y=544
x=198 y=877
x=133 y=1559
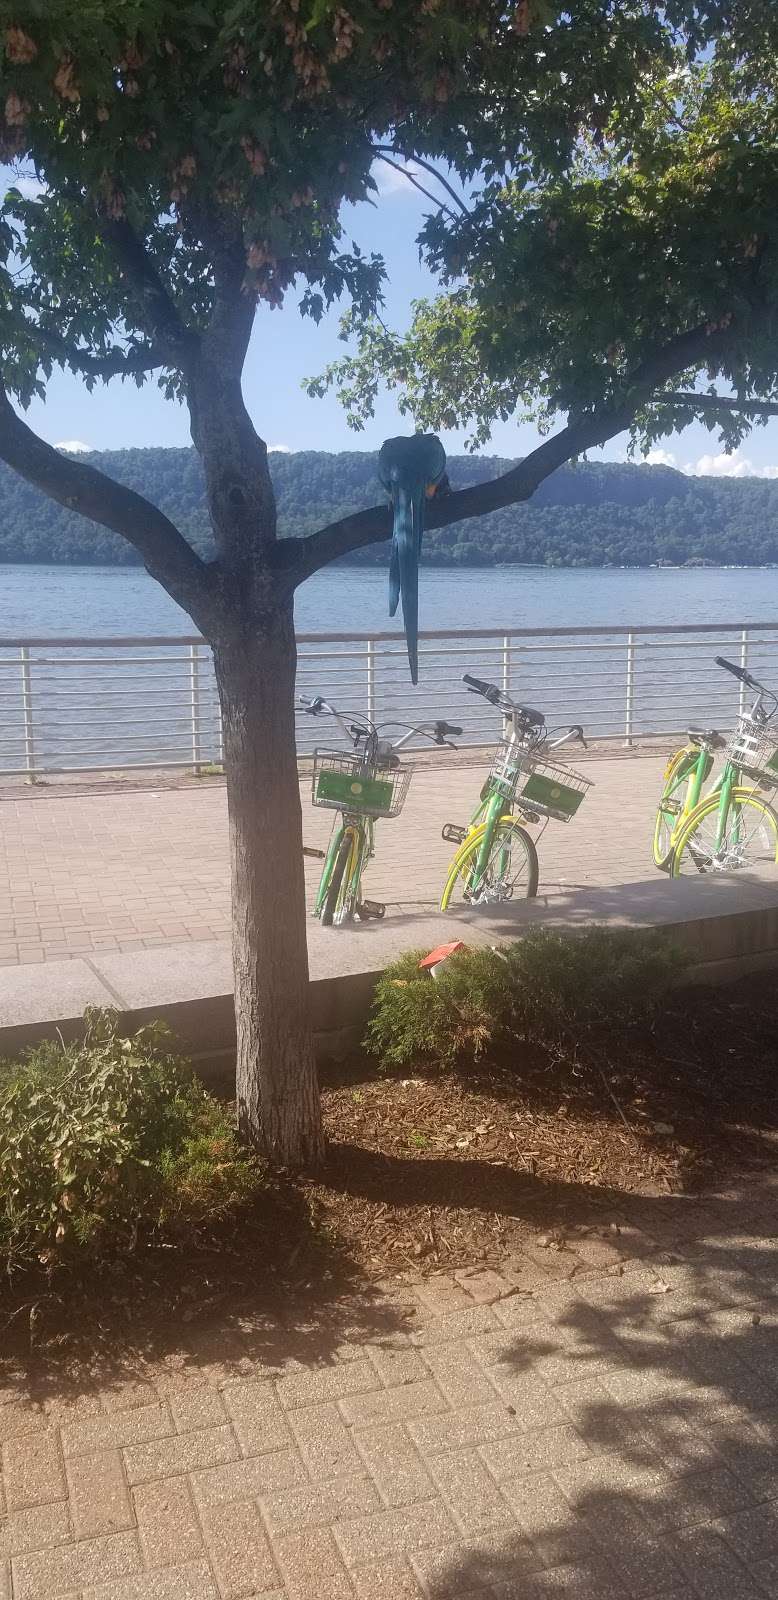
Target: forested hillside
x=587 y=515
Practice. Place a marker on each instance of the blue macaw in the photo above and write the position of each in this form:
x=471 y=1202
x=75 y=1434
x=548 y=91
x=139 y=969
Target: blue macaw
x=411 y=470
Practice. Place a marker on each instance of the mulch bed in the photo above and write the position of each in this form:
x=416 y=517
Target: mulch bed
x=431 y=1171
x=439 y=1170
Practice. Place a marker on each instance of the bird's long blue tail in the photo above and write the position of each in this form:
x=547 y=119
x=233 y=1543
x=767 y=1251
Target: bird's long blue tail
x=404 y=565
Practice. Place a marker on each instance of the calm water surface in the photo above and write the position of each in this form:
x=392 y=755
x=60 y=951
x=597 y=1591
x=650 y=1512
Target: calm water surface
x=114 y=706
x=89 y=601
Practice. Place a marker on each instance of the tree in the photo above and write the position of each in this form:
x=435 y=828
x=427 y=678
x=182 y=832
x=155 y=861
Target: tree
x=192 y=160
x=603 y=291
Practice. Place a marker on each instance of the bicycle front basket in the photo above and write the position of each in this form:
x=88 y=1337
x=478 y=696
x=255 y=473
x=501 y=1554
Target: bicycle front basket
x=507 y=763
x=553 y=791
x=754 y=749
x=343 y=783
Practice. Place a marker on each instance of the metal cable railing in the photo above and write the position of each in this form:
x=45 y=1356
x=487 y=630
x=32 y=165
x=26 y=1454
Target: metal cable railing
x=124 y=704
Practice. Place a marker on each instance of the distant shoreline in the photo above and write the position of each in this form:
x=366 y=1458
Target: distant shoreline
x=444 y=566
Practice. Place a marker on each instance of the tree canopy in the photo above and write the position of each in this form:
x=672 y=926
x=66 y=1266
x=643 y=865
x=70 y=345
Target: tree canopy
x=609 y=286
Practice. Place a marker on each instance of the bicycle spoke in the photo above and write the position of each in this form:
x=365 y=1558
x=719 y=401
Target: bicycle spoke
x=507 y=874
x=747 y=842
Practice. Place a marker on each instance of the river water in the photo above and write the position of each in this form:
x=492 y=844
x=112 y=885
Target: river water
x=90 y=601
x=86 y=708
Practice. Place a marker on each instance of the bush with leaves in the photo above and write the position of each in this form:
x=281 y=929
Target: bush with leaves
x=555 y=990
x=109 y=1140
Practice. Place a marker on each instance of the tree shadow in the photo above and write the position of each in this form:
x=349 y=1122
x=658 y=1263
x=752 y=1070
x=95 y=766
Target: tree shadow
x=270 y=1290
x=644 y=1456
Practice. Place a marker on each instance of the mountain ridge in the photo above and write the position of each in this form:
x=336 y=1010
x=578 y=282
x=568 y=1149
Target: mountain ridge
x=588 y=514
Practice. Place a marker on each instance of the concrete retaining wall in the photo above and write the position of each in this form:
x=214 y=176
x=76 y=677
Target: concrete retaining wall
x=727 y=925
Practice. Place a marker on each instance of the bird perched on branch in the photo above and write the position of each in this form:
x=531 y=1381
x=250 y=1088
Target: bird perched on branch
x=411 y=470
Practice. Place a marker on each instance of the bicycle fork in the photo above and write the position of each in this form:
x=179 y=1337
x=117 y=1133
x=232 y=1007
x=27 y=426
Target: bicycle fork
x=360 y=832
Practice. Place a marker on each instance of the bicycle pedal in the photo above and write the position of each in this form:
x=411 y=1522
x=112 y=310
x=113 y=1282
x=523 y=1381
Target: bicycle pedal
x=453 y=833
x=371 y=910
x=318 y=855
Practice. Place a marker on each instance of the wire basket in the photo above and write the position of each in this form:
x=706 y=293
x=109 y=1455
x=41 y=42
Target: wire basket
x=541 y=786
x=552 y=791
x=510 y=759
x=754 y=749
x=343 y=783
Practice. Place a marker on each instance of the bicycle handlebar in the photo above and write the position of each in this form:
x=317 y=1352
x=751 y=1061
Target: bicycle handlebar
x=497 y=697
x=362 y=728
x=489 y=691
x=737 y=672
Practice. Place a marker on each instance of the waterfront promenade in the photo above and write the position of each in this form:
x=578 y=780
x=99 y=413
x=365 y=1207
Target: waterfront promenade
x=98 y=866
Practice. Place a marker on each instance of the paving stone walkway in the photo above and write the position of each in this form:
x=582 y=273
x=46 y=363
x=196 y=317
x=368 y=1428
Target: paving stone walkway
x=597 y=1421
x=128 y=868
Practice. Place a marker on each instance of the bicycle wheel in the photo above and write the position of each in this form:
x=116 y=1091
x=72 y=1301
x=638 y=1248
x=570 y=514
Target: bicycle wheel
x=749 y=840
x=670 y=809
x=510 y=873
x=667 y=813
x=335 y=907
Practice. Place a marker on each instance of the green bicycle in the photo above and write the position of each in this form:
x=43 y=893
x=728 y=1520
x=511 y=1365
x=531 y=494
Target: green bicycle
x=497 y=858
x=731 y=826
x=360 y=787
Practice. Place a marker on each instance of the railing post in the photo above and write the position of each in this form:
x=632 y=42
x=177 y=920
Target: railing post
x=506 y=663
x=194 y=703
x=629 y=718
x=29 y=739
x=371 y=680
x=744 y=664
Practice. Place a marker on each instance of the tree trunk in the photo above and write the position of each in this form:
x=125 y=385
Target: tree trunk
x=277 y=1088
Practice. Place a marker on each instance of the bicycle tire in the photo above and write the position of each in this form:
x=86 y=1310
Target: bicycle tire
x=687 y=859
x=335 y=885
x=467 y=855
x=661 y=828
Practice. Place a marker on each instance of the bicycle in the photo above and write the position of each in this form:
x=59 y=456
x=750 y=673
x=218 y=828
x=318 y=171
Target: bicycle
x=730 y=826
x=361 y=788
x=497 y=858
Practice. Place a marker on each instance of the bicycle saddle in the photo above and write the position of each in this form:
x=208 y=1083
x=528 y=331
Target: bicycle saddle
x=706 y=736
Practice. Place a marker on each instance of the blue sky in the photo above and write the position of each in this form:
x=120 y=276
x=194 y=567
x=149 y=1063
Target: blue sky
x=286 y=348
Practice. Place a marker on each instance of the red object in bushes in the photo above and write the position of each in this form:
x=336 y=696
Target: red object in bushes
x=431 y=962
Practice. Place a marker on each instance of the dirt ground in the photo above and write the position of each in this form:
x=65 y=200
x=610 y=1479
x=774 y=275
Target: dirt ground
x=522 y=1161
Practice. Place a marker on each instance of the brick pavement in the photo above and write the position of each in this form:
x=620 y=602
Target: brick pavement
x=138 y=867
x=597 y=1421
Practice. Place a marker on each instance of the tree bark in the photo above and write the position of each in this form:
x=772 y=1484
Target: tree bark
x=276 y=1081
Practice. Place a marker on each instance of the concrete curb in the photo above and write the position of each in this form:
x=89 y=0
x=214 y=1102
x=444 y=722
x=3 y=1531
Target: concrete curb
x=728 y=926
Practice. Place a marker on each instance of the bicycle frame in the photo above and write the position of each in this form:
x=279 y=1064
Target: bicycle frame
x=362 y=830
x=373 y=752
x=497 y=800
x=696 y=765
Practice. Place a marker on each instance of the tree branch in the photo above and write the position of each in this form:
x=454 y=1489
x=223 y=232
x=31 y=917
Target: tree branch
x=166 y=554
x=585 y=432
x=385 y=150
x=114 y=364
x=441 y=204
x=158 y=311
x=718 y=402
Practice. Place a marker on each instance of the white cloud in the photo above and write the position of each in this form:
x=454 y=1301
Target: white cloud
x=660 y=458
x=74 y=447
x=31 y=188
x=389 y=180
x=728 y=466
x=283 y=449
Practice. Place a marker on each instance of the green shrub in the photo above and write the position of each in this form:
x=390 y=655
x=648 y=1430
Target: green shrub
x=551 y=989
x=108 y=1140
